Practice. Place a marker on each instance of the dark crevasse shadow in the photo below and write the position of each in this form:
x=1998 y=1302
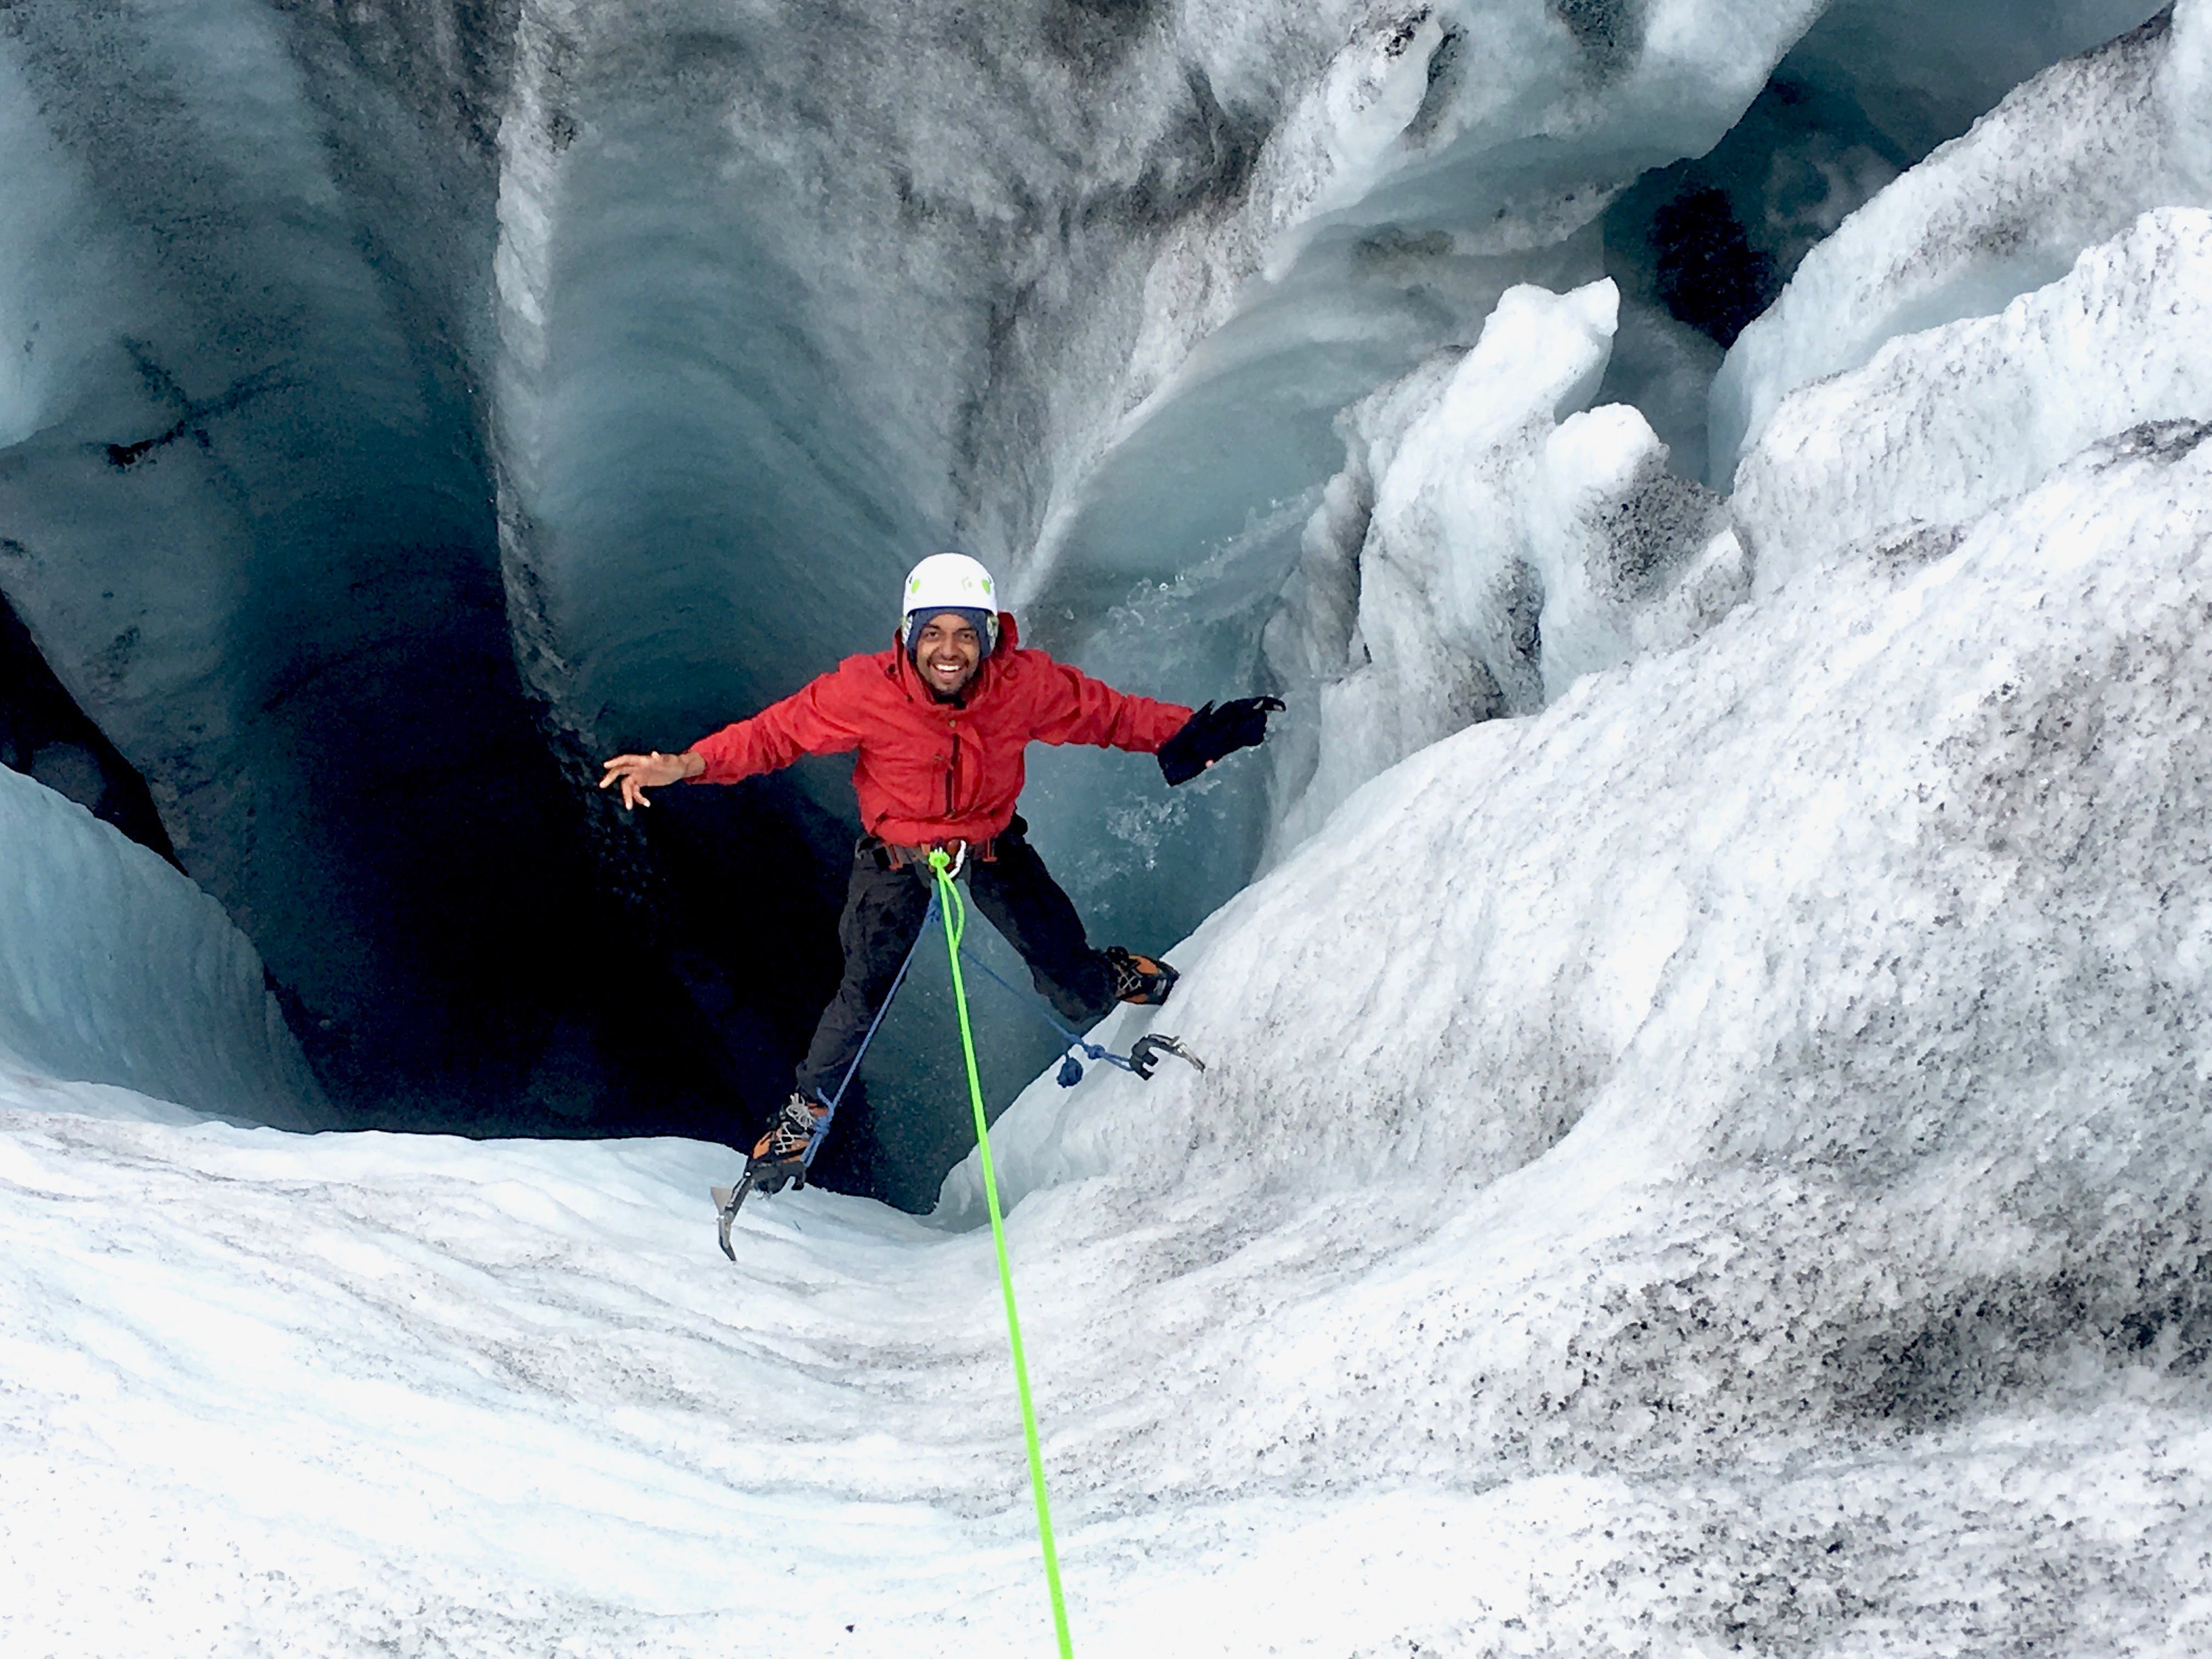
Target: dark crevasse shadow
x=44 y=734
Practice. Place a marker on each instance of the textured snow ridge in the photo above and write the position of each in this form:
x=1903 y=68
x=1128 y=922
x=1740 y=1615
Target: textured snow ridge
x=1491 y=540
x=1798 y=1044
x=116 y=969
x=1940 y=427
x=2065 y=163
x=367 y=1394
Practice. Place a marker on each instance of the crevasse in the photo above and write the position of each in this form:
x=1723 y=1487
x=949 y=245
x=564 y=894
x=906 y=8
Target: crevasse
x=1702 y=1144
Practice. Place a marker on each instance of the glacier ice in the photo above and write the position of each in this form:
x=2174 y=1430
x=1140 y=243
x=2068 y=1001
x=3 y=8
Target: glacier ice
x=44 y=734
x=117 y=971
x=1095 y=283
x=1903 y=446
x=1746 y=1196
x=1701 y=246
x=247 y=523
x=2065 y=163
x=567 y=376
x=1394 y=655
x=1492 y=540
x=1711 y=1160
x=1798 y=1037
x=381 y=328
x=1086 y=293
x=1925 y=74
x=1605 y=902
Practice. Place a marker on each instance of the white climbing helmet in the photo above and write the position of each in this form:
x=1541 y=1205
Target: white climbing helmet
x=951 y=581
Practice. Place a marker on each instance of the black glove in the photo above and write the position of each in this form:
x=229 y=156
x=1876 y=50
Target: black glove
x=1213 y=732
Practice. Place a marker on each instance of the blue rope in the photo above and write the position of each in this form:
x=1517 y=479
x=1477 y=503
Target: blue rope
x=821 y=1129
x=1071 y=1069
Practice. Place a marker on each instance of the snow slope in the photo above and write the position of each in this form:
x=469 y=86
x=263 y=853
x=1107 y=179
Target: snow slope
x=1719 y=1163
x=1937 y=429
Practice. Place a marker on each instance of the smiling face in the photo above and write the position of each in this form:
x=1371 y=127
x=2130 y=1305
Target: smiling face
x=947 y=653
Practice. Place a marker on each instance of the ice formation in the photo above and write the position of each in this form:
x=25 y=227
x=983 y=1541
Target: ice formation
x=2065 y=163
x=1503 y=540
x=1702 y=1145
x=2124 y=338
x=117 y=971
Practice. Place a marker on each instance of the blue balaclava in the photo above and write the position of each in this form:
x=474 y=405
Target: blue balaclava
x=982 y=622
x=953 y=582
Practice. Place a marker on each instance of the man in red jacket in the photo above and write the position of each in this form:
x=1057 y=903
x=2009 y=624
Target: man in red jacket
x=941 y=722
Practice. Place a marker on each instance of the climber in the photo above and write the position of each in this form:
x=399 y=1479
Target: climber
x=941 y=722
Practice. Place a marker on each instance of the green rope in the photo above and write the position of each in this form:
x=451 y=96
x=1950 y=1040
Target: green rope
x=955 y=923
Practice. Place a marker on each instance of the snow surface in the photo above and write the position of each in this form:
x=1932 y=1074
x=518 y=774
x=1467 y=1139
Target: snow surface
x=1717 y=1163
x=372 y=1394
x=1939 y=427
x=1798 y=1044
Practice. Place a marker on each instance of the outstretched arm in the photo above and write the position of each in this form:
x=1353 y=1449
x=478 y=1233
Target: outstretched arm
x=639 y=773
x=1186 y=743
x=1076 y=708
x=815 y=720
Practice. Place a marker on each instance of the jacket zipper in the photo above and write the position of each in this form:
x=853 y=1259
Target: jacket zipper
x=952 y=765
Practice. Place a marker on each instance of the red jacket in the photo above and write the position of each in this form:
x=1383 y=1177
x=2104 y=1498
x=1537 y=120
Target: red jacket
x=932 y=771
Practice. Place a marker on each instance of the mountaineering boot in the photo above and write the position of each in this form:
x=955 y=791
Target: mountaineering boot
x=778 y=1157
x=1139 y=979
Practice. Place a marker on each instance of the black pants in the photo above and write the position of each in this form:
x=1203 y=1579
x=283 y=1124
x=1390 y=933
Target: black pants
x=884 y=910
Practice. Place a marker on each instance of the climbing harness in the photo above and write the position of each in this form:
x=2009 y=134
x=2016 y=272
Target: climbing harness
x=955 y=915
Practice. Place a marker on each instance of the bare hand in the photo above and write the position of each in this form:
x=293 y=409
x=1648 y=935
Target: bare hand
x=638 y=773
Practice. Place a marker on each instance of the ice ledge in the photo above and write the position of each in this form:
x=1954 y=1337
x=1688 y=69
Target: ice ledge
x=114 y=969
x=1941 y=426
x=2064 y=163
